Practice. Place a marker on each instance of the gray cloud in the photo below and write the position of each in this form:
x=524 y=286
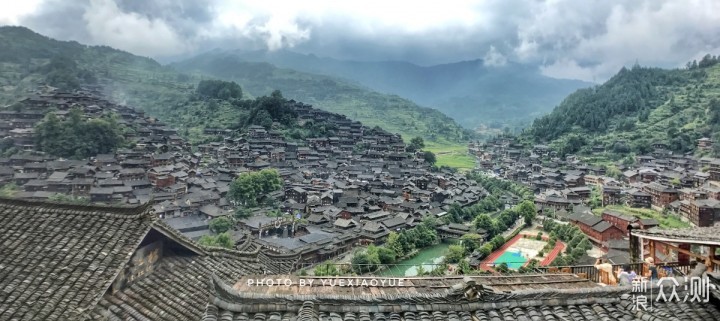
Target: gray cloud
x=588 y=40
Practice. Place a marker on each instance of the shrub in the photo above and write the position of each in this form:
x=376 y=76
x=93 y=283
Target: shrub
x=502 y=268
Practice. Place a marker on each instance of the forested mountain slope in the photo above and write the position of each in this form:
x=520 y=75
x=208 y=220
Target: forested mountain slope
x=635 y=109
x=471 y=92
x=28 y=59
x=390 y=112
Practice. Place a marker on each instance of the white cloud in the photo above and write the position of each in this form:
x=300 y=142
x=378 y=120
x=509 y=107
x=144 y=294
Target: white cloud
x=288 y=23
x=108 y=25
x=12 y=11
x=606 y=35
x=494 y=58
x=568 y=38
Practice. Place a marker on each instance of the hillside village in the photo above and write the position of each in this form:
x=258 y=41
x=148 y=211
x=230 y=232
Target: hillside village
x=339 y=191
x=682 y=185
x=344 y=195
x=359 y=161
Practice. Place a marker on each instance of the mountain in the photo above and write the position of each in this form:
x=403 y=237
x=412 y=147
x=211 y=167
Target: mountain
x=636 y=110
x=29 y=59
x=390 y=112
x=468 y=91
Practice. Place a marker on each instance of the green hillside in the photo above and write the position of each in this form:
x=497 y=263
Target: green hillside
x=635 y=109
x=28 y=59
x=390 y=112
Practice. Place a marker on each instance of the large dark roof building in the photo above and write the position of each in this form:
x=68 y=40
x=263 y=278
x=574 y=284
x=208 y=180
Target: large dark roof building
x=71 y=262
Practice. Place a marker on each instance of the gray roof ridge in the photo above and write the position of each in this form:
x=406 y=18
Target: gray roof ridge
x=228 y=298
x=116 y=211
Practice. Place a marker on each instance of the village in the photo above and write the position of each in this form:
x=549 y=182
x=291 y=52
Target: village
x=334 y=197
x=343 y=196
x=658 y=189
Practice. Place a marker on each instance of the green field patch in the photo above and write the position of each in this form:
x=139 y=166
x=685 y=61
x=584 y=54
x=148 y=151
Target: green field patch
x=451 y=155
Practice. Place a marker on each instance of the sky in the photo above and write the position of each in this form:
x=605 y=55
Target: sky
x=574 y=39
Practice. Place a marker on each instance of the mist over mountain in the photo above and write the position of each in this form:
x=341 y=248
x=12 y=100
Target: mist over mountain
x=472 y=92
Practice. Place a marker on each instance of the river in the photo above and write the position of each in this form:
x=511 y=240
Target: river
x=426 y=257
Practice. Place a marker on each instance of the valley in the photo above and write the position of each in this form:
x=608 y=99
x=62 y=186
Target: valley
x=359 y=160
x=472 y=92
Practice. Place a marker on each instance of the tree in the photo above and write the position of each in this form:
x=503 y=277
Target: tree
x=455 y=254
x=249 y=187
x=471 y=241
x=423 y=235
x=595 y=198
x=577 y=253
x=485 y=250
x=393 y=243
x=429 y=157
x=9 y=190
x=219 y=89
x=526 y=209
x=262 y=118
x=416 y=144
x=220 y=225
x=675 y=182
x=220 y=240
x=64 y=73
x=406 y=243
x=78 y=137
x=483 y=221
x=326 y=269
x=464 y=267
x=559 y=261
x=502 y=268
x=497 y=242
x=242 y=213
x=386 y=256
x=69 y=199
x=362 y=263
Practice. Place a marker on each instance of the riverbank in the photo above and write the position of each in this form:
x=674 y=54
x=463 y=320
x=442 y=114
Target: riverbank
x=429 y=258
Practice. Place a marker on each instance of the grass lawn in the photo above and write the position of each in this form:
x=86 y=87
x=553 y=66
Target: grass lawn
x=666 y=221
x=452 y=155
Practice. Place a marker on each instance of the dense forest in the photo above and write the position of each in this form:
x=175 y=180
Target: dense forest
x=78 y=137
x=219 y=104
x=636 y=108
x=64 y=73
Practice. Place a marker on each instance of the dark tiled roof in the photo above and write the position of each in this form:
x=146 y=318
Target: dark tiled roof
x=176 y=290
x=57 y=260
x=465 y=300
x=710 y=234
x=602 y=226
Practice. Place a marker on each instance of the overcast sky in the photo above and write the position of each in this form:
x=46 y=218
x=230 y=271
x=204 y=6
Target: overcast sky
x=579 y=39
